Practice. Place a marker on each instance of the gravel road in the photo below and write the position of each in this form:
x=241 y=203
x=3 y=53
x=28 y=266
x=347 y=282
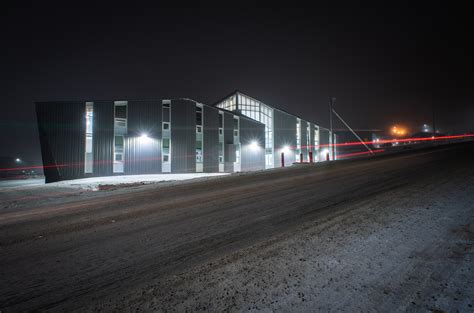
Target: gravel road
x=391 y=233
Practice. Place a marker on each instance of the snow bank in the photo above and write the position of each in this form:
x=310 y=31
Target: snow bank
x=98 y=183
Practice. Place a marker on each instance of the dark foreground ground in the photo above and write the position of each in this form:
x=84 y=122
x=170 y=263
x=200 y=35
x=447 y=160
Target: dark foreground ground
x=393 y=233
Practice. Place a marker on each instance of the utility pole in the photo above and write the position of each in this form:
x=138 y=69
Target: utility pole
x=434 y=125
x=331 y=135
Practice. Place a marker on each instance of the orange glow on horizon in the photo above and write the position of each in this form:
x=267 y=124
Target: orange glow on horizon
x=399 y=131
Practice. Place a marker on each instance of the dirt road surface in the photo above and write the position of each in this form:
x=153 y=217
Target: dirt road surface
x=390 y=233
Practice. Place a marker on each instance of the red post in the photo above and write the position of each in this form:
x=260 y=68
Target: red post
x=327 y=156
x=311 y=157
x=301 y=157
x=282 y=159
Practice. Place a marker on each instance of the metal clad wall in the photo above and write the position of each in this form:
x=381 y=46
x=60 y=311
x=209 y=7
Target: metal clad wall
x=61 y=128
x=252 y=159
x=284 y=135
x=211 y=139
x=183 y=136
x=311 y=141
x=143 y=156
x=323 y=142
x=228 y=140
x=304 y=148
x=103 y=138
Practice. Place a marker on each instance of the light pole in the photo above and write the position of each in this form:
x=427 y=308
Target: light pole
x=331 y=135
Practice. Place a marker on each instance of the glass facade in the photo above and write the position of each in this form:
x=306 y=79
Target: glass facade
x=263 y=113
x=255 y=110
x=229 y=104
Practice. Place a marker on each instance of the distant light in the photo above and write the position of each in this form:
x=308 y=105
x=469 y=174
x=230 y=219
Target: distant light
x=399 y=131
x=254 y=145
x=144 y=136
x=285 y=149
x=17 y=160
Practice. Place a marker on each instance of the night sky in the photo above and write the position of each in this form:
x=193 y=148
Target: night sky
x=385 y=65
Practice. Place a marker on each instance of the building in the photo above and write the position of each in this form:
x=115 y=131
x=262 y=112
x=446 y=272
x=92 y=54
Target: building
x=103 y=138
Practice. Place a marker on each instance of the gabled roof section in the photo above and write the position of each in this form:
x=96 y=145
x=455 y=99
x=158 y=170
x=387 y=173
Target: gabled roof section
x=237 y=92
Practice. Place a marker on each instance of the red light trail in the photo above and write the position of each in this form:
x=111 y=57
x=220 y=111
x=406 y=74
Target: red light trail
x=345 y=144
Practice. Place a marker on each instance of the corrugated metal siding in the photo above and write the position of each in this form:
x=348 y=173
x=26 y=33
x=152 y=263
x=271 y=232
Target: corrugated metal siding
x=284 y=135
x=229 y=140
x=323 y=141
x=46 y=141
x=143 y=156
x=311 y=141
x=252 y=160
x=103 y=138
x=62 y=138
x=211 y=139
x=183 y=136
x=304 y=148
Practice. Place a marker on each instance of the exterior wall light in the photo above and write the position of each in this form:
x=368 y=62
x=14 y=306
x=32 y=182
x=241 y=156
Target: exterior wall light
x=144 y=138
x=285 y=149
x=254 y=145
x=17 y=160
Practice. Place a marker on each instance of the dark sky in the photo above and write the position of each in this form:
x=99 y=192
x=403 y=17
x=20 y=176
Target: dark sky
x=385 y=65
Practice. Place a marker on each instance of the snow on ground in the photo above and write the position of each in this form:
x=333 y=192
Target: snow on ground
x=406 y=250
x=12 y=183
x=97 y=183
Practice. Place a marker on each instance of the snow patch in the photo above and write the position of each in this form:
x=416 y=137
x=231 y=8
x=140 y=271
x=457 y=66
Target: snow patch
x=99 y=183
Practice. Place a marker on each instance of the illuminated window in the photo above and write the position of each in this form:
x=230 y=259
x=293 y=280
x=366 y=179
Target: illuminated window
x=236 y=127
x=308 y=134
x=298 y=139
x=199 y=138
x=89 y=157
x=120 y=130
x=316 y=142
x=166 y=136
x=221 y=141
x=166 y=145
x=121 y=111
x=199 y=116
x=199 y=151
